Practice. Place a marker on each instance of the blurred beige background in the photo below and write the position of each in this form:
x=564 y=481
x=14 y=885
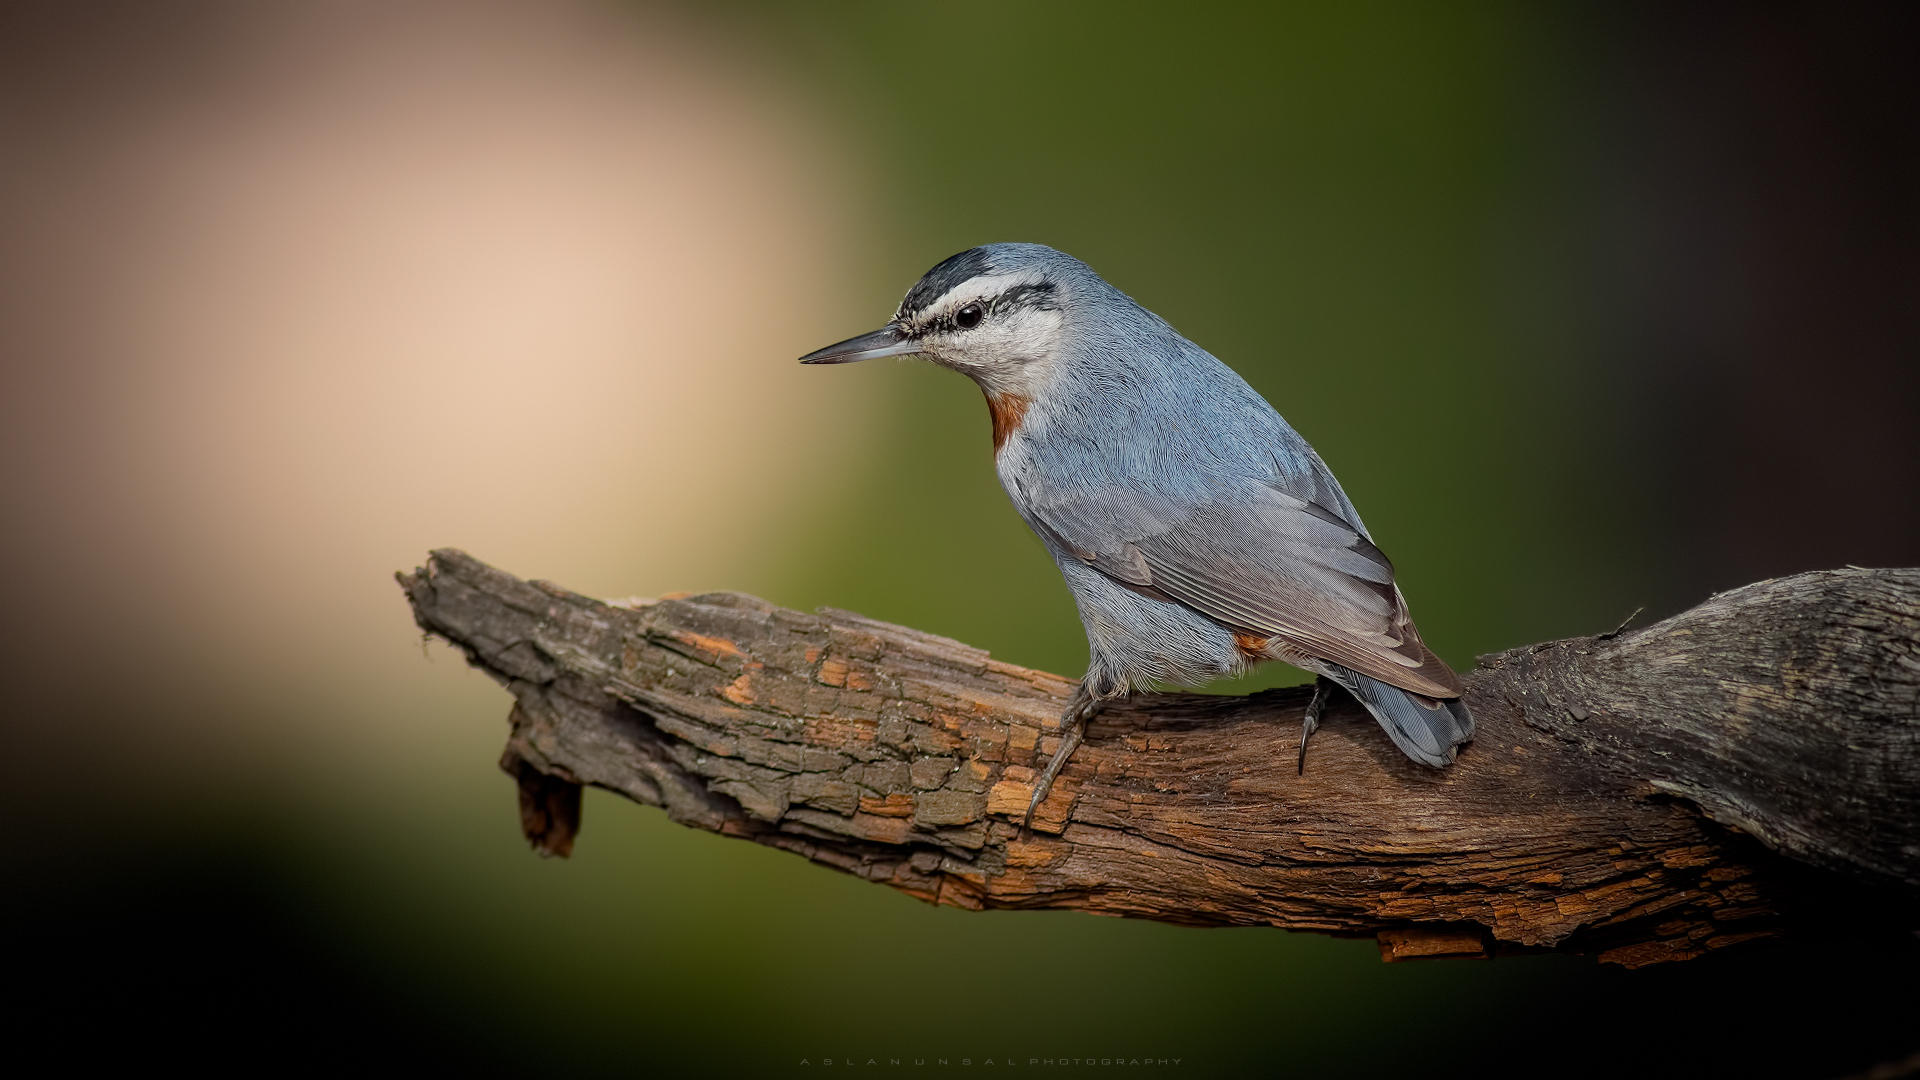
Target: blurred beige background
x=295 y=292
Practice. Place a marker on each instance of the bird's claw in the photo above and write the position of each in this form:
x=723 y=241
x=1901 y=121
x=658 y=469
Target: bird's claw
x=1311 y=721
x=1073 y=727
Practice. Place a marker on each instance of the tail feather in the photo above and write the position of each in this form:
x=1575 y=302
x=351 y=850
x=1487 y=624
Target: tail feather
x=1429 y=732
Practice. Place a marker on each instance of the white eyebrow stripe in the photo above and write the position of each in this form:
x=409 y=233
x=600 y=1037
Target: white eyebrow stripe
x=976 y=288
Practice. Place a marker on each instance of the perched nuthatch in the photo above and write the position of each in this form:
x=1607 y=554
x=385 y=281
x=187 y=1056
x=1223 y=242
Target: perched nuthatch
x=1198 y=532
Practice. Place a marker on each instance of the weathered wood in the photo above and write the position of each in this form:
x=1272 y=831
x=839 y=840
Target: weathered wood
x=1634 y=795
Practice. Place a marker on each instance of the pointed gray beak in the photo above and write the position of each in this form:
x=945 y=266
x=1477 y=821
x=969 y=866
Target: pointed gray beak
x=885 y=341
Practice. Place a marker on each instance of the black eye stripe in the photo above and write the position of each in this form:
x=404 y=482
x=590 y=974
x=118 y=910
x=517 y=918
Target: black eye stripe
x=1032 y=296
x=1038 y=294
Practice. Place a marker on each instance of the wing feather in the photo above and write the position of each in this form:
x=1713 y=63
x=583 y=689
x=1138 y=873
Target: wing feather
x=1261 y=560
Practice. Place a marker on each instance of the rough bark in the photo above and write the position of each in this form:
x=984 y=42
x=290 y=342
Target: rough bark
x=1745 y=769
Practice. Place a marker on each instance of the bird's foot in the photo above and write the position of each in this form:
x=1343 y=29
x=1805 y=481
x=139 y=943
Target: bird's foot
x=1311 y=721
x=1073 y=727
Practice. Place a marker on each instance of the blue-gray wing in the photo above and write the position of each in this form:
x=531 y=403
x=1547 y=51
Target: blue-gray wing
x=1261 y=560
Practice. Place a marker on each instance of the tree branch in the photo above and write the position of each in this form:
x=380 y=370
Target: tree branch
x=1745 y=769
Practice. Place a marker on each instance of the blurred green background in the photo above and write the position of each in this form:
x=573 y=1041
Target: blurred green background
x=1592 y=308
x=1320 y=194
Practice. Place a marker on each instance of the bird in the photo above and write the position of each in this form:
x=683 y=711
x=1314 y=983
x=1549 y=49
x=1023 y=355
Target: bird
x=1197 y=531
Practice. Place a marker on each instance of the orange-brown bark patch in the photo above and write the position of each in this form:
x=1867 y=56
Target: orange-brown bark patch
x=896 y=805
x=717 y=646
x=739 y=691
x=1649 y=952
x=955 y=892
x=1009 y=797
x=1419 y=943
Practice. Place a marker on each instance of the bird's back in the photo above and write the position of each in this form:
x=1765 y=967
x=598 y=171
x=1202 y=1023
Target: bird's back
x=1152 y=462
x=1145 y=420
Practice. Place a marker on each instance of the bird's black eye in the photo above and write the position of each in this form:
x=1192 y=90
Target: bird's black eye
x=968 y=317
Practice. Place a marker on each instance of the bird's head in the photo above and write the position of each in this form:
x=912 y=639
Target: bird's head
x=994 y=313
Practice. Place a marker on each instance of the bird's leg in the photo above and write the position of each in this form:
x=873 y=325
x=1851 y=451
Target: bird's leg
x=1073 y=725
x=1311 y=721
